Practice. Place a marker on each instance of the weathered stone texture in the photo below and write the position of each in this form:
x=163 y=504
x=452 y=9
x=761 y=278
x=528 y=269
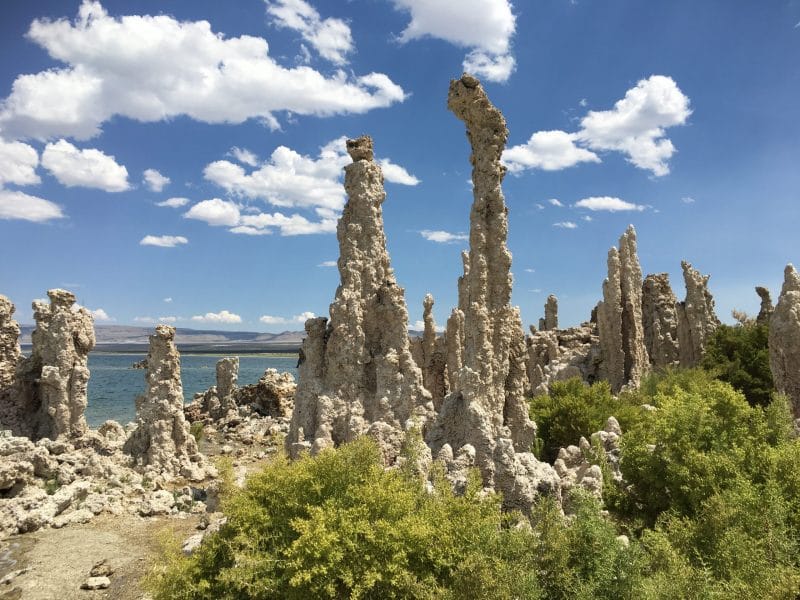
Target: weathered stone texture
x=619 y=317
x=766 y=309
x=697 y=320
x=561 y=354
x=784 y=340
x=161 y=442
x=550 y=320
x=485 y=415
x=9 y=344
x=50 y=393
x=660 y=319
x=357 y=374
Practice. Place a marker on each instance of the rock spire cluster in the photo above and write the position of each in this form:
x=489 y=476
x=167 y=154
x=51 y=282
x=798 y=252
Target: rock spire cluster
x=357 y=374
x=784 y=340
x=697 y=320
x=766 y=309
x=619 y=317
x=660 y=320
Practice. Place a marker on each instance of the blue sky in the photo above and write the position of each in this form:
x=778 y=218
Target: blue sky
x=679 y=117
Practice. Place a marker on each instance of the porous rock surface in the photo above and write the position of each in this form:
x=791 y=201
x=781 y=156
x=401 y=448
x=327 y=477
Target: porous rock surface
x=550 y=320
x=357 y=374
x=161 y=442
x=49 y=395
x=784 y=340
x=9 y=359
x=766 y=309
x=619 y=317
x=697 y=320
x=561 y=354
x=660 y=320
x=484 y=419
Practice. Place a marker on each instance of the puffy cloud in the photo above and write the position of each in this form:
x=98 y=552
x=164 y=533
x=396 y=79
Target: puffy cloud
x=443 y=237
x=100 y=315
x=21 y=206
x=174 y=202
x=222 y=316
x=180 y=68
x=18 y=163
x=331 y=38
x=549 y=151
x=244 y=156
x=484 y=26
x=215 y=212
x=555 y=202
x=163 y=241
x=396 y=174
x=565 y=225
x=635 y=127
x=636 y=124
x=327 y=263
x=168 y=300
x=301 y=318
x=607 y=203
x=89 y=168
x=155 y=180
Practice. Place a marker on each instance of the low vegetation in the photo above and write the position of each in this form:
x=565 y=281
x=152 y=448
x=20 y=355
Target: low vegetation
x=710 y=509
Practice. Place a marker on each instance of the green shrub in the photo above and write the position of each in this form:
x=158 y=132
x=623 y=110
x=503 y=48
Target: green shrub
x=739 y=354
x=574 y=409
x=196 y=429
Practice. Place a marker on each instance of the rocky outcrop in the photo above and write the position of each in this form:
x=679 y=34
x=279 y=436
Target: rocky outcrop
x=9 y=359
x=161 y=443
x=550 y=320
x=561 y=354
x=433 y=356
x=697 y=320
x=484 y=419
x=766 y=309
x=272 y=396
x=50 y=393
x=660 y=320
x=619 y=317
x=784 y=340
x=219 y=400
x=357 y=375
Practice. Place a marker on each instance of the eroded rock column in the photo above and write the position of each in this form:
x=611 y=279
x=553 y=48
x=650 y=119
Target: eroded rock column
x=357 y=374
x=9 y=358
x=697 y=320
x=660 y=320
x=784 y=340
x=766 y=309
x=161 y=442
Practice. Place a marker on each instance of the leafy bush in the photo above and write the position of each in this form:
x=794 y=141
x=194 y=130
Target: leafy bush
x=574 y=409
x=739 y=354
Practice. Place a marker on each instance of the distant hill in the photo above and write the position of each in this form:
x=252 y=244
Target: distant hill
x=120 y=338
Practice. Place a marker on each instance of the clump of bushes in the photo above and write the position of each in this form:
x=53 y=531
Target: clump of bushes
x=739 y=355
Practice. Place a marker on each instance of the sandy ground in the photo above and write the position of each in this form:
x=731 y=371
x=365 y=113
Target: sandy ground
x=59 y=560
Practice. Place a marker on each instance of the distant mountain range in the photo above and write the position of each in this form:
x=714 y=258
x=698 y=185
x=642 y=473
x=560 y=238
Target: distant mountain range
x=120 y=338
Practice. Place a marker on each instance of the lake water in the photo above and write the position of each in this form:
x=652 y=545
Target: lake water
x=114 y=384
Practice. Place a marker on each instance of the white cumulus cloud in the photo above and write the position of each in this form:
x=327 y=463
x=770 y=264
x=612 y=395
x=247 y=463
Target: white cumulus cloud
x=179 y=68
x=215 y=212
x=636 y=127
x=327 y=263
x=100 y=315
x=566 y=225
x=90 y=168
x=244 y=156
x=222 y=316
x=301 y=318
x=155 y=180
x=483 y=26
x=608 y=203
x=396 y=174
x=18 y=162
x=443 y=237
x=549 y=151
x=556 y=202
x=173 y=202
x=163 y=241
x=24 y=207
x=330 y=37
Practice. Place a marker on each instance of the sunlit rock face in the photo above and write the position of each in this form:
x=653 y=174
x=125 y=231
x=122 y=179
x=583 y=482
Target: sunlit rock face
x=784 y=340
x=697 y=320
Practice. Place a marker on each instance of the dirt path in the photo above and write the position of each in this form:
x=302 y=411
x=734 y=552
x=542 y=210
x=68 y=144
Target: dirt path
x=59 y=560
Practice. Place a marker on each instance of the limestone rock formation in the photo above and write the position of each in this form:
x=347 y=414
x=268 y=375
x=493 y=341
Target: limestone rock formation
x=433 y=356
x=784 y=340
x=272 y=396
x=619 y=317
x=50 y=394
x=697 y=320
x=9 y=344
x=550 y=320
x=561 y=354
x=660 y=320
x=766 y=309
x=161 y=442
x=357 y=375
x=486 y=410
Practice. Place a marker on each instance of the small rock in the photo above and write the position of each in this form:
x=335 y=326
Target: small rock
x=101 y=569
x=96 y=583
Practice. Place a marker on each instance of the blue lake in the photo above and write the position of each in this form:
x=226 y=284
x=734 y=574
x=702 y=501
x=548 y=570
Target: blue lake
x=114 y=384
